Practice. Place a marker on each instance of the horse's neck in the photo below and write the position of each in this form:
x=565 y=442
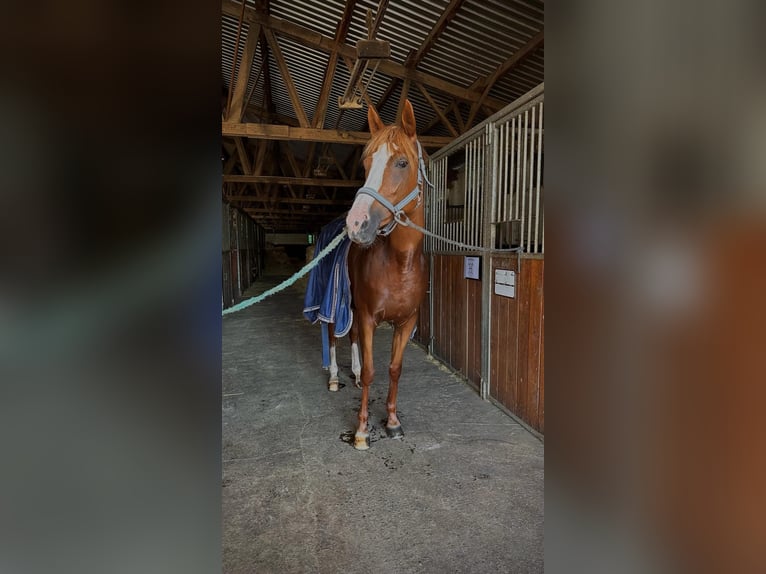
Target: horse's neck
x=406 y=242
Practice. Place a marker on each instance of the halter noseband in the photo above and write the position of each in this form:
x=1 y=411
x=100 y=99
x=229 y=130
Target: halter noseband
x=398 y=209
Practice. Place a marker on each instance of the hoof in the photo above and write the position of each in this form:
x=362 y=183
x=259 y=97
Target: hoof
x=361 y=442
x=356 y=384
x=395 y=432
x=333 y=385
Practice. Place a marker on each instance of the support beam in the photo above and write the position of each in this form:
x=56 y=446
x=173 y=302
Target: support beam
x=340 y=38
x=287 y=78
x=243 y=159
x=237 y=106
x=277 y=132
x=308 y=214
x=444 y=119
x=414 y=58
x=280 y=180
x=317 y=41
x=516 y=58
x=436 y=31
x=290 y=200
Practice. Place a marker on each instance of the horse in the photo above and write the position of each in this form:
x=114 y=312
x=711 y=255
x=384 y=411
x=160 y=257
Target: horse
x=387 y=268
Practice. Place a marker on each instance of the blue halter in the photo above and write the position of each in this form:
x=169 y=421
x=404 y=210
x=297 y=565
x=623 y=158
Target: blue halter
x=398 y=209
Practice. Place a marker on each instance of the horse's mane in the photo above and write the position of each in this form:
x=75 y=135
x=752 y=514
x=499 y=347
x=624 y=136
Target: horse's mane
x=397 y=139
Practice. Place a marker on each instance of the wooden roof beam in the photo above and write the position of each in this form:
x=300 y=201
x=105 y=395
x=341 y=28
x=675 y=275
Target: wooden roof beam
x=514 y=60
x=317 y=41
x=340 y=38
x=237 y=106
x=290 y=200
x=281 y=180
x=280 y=132
x=287 y=78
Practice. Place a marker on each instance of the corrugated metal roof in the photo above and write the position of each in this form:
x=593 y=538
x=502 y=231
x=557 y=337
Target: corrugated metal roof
x=479 y=38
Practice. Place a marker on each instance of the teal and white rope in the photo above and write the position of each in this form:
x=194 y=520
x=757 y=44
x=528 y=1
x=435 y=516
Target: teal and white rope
x=289 y=281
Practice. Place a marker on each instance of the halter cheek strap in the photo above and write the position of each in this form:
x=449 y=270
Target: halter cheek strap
x=398 y=209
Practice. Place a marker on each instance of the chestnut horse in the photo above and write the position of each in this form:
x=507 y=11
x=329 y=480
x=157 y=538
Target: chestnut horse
x=387 y=267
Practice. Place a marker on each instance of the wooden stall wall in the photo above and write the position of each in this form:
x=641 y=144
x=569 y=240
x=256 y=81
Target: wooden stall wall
x=517 y=342
x=456 y=322
x=243 y=245
x=516 y=332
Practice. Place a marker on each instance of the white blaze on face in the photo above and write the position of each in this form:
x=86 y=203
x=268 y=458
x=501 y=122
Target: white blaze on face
x=361 y=208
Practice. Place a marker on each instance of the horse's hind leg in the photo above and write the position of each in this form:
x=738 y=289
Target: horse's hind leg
x=401 y=335
x=332 y=385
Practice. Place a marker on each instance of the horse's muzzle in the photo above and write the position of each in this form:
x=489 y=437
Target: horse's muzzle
x=363 y=230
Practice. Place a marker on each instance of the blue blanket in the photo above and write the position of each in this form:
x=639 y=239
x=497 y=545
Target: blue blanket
x=328 y=293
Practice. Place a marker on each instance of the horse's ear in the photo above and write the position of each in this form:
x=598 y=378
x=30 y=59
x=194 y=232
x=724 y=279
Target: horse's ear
x=374 y=120
x=408 y=119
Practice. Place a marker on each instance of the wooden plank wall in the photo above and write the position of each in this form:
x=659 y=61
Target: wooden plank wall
x=516 y=332
x=457 y=317
x=517 y=342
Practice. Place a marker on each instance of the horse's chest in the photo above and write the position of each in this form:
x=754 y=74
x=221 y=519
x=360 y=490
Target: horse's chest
x=394 y=295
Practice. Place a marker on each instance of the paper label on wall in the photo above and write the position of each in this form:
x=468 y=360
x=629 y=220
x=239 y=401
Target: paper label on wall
x=471 y=267
x=505 y=282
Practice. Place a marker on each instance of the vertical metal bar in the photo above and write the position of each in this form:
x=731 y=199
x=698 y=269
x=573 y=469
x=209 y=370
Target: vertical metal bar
x=443 y=200
x=515 y=161
x=497 y=163
x=523 y=167
x=530 y=192
x=239 y=268
x=468 y=181
x=486 y=191
x=539 y=163
x=431 y=304
x=504 y=216
x=490 y=185
x=467 y=235
x=443 y=210
x=478 y=188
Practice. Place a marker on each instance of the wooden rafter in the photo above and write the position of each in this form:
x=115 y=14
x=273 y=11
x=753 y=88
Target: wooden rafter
x=312 y=39
x=268 y=102
x=433 y=35
x=279 y=132
x=241 y=19
x=287 y=78
x=309 y=214
x=280 y=180
x=415 y=57
x=340 y=38
x=243 y=159
x=514 y=60
x=440 y=114
x=237 y=106
x=287 y=200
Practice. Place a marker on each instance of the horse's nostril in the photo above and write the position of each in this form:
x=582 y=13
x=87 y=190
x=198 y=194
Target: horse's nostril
x=365 y=224
x=356 y=223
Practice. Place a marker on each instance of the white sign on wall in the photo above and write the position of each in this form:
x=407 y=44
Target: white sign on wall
x=471 y=267
x=505 y=282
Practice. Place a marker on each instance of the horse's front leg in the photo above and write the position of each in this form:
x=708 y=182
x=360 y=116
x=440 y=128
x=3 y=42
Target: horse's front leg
x=366 y=332
x=401 y=335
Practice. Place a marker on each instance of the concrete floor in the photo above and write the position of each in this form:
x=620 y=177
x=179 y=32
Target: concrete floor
x=462 y=492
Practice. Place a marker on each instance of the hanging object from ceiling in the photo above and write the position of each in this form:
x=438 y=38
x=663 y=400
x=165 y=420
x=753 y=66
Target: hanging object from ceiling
x=367 y=52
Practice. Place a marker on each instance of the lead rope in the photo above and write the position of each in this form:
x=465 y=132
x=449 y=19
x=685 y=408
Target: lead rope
x=289 y=281
x=402 y=219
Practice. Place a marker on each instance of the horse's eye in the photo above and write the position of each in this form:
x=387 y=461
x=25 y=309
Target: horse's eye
x=402 y=163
